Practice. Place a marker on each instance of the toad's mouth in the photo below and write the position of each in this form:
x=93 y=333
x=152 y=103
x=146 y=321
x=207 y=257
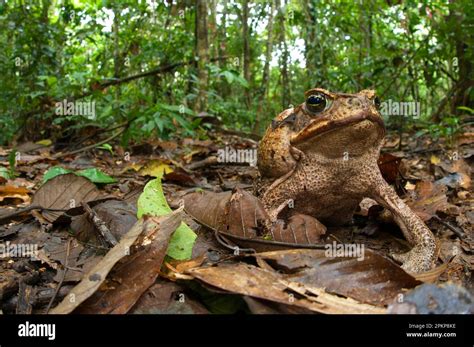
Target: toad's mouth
x=323 y=125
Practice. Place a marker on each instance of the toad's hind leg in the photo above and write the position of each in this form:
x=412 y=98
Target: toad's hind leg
x=424 y=252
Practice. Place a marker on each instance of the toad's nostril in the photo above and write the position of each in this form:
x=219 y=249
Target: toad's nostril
x=354 y=102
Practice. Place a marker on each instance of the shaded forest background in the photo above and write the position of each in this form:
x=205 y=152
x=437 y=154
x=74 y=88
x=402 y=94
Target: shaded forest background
x=178 y=67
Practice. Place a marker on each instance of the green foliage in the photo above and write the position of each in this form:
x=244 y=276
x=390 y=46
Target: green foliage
x=53 y=51
x=447 y=128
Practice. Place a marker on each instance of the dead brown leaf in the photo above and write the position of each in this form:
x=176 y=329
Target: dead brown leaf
x=64 y=192
x=91 y=282
x=242 y=215
x=249 y=280
x=119 y=216
x=166 y=297
x=137 y=273
x=373 y=279
x=427 y=199
x=389 y=166
x=13 y=192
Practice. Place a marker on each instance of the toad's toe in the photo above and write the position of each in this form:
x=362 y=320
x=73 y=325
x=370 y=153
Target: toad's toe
x=416 y=260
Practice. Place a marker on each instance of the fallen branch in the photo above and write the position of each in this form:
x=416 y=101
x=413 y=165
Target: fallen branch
x=86 y=148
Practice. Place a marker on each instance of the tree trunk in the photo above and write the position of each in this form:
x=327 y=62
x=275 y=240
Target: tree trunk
x=310 y=42
x=117 y=60
x=285 y=78
x=459 y=93
x=245 y=37
x=202 y=50
x=263 y=93
x=213 y=30
x=222 y=49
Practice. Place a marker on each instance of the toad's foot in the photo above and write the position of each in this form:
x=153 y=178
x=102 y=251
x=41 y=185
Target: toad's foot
x=415 y=261
x=424 y=252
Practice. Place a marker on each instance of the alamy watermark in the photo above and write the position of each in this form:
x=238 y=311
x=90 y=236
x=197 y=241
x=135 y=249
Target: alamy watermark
x=75 y=108
x=18 y=250
x=232 y=155
x=344 y=250
x=400 y=108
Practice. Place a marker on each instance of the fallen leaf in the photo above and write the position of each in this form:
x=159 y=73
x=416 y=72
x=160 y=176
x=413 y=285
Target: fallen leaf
x=389 y=166
x=153 y=202
x=13 y=192
x=96 y=176
x=46 y=142
x=249 y=280
x=155 y=168
x=119 y=216
x=242 y=216
x=427 y=199
x=136 y=273
x=64 y=192
x=434 y=159
x=166 y=297
x=373 y=279
x=53 y=172
x=95 y=277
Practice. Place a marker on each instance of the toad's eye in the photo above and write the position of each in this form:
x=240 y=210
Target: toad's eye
x=316 y=103
x=377 y=102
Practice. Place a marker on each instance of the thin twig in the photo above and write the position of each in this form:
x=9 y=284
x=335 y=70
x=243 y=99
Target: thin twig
x=68 y=249
x=457 y=231
x=60 y=155
x=100 y=225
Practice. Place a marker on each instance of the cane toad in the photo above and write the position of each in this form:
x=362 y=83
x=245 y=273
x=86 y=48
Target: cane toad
x=320 y=159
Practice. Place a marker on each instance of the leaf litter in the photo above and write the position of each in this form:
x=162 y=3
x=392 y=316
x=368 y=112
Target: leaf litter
x=283 y=272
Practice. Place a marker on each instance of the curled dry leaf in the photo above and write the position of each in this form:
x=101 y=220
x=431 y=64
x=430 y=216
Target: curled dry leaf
x=432 y=275
x=242 y=217
x=370 y=278
x=460 y=172
x=136 y=273
x=96 y=276
x=236 y=214
x=13 y=192
x=64 y=192
x=249 y=280
x=389 y=167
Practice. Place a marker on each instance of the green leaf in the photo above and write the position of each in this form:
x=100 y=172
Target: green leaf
x=12 y=162
x=53 y=172
x=177 y=109
x=96 y=176
x=5 y=173
x=153 y=202
x=229 y=76
x=242 y=81
x=35 y=94
x=465 y=108
x=106 y=147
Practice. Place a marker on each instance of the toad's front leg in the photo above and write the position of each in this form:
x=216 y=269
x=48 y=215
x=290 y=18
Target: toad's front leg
x=424 y=252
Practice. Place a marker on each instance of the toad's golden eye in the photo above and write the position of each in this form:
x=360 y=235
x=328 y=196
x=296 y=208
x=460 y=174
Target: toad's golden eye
x=316 y=103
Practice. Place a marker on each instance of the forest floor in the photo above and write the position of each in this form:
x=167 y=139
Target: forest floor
x=76 y=224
